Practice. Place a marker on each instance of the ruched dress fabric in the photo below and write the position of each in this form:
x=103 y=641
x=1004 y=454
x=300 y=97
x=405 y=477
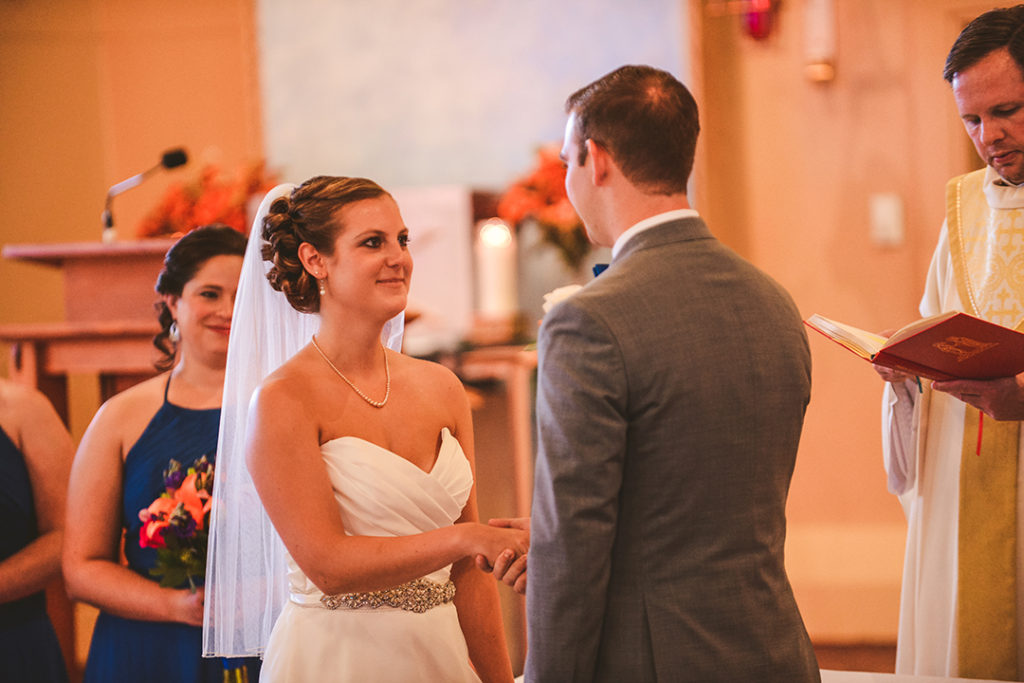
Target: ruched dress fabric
x=379 y=493
x=29 y=651
x=128 y=650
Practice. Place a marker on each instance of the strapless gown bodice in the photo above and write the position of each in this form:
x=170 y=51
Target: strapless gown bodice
x=379 y=493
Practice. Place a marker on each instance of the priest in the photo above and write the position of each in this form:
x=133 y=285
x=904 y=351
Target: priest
x=952 y=448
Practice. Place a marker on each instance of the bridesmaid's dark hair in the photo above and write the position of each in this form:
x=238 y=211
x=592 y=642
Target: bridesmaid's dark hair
x=308 y=214
x=183 y=261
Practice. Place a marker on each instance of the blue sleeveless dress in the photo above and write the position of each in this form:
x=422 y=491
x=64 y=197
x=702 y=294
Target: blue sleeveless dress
x=29 y=650
x=128 y=650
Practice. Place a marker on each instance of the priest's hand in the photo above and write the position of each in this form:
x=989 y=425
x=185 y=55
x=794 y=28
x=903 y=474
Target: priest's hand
x=888 y=374
x=1001 y=399
x=893 y=376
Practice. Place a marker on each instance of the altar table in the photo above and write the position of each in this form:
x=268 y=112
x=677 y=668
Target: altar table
x=828 y=676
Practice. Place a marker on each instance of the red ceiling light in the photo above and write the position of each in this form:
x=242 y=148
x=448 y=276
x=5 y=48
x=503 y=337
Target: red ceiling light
x=758 y=15
x=760 y=18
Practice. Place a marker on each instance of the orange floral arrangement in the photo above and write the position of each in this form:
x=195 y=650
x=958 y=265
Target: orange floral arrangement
x=210 y=198
x=176 y=523
x=540 y=196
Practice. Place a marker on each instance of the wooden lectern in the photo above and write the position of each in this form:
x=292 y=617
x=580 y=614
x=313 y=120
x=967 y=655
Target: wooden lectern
x=110 y=319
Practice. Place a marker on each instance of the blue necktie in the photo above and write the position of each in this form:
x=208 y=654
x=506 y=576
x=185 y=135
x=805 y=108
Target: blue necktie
x=599 y=268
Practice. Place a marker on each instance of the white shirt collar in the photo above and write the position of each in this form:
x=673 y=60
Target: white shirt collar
x=1000 y=193
x=648 y=223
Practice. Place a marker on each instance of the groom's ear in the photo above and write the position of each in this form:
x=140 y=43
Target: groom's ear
x=312 y=260
x=600 y=162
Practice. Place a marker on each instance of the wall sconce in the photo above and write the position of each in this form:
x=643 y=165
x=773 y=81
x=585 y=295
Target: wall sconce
x=758 y=15
x=820 y=40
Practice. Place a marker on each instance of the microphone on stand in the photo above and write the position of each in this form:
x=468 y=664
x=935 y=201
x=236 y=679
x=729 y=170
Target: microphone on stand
x=172 y=158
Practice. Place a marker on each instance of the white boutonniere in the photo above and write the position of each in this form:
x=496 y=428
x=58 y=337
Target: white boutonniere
x=556 y=296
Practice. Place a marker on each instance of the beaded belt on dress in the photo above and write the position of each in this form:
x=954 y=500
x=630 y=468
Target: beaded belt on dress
x=418 y=595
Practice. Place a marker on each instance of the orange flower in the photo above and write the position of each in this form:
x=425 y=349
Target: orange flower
x=540 y=196
x=161 y=508
x=208 y=199
x=197 y=502
x=515 y=205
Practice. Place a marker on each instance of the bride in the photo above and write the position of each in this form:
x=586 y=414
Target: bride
x=363 y=460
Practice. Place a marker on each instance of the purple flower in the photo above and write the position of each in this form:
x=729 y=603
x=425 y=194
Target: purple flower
x=174 y=478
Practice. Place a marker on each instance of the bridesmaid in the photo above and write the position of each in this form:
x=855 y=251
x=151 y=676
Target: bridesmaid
x=146 y=632
x=35 y=456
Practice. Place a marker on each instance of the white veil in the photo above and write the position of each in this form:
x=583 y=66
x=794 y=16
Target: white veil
x=246 y=581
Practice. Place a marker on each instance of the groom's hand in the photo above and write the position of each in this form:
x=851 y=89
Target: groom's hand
x=508 y=568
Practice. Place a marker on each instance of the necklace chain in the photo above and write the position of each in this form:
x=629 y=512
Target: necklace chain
x=387 y=377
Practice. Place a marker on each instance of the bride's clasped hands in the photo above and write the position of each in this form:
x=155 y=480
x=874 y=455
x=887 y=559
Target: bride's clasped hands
x=491 y=542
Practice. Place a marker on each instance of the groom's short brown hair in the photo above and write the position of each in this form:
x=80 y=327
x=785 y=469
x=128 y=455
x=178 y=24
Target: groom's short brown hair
x=648 y=122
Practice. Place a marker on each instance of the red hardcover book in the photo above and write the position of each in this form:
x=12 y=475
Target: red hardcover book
x=951 y=345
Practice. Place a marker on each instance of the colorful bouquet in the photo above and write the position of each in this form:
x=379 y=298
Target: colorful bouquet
x=540 y=196
x=209 y=199
x=177 y=522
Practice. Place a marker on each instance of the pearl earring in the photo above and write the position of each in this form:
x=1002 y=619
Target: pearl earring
x=321 y=287
x=173 y=333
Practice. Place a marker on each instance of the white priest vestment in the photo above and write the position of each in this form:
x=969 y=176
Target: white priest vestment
x=922 y=440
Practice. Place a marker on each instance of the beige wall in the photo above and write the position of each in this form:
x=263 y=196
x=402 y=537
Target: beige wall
x=92 y=92
x=788 y=166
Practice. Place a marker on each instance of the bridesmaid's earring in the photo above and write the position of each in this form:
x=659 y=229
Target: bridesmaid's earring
x=173 y=333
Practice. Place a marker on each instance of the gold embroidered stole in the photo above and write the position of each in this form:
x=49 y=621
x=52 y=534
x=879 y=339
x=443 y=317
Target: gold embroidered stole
x=987 y=249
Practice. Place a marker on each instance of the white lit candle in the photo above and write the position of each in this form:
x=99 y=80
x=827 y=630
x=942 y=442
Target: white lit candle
x=495 y=269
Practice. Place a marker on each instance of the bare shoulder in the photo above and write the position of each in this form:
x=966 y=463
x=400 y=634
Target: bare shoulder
x=283 y=418
x=143 y=398
x=123 y=418
x=19 y=399
x=119 y=423
x=286 y=386
x=22 y=407
x=433 y=390
x=427 y=373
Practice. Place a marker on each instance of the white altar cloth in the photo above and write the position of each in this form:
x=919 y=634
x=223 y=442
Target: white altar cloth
x=828 y=676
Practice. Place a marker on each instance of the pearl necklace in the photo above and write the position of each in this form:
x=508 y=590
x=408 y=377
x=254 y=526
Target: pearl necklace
x=387 y=377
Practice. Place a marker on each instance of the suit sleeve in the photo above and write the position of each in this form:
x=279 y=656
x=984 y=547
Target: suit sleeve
x=581 y=419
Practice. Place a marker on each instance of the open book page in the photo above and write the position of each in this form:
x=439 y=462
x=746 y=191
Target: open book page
x=945 y=346
x=865 y=344
x=919 y=325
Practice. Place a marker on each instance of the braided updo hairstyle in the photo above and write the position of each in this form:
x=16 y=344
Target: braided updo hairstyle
x=308 y=214
x=183 y=261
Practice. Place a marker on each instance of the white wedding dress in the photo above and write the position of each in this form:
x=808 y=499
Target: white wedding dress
x=380 y=494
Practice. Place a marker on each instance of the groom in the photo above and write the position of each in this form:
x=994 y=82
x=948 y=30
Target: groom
x=671 y=394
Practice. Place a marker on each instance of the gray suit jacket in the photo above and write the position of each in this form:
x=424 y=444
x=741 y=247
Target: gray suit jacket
x=671 y=395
